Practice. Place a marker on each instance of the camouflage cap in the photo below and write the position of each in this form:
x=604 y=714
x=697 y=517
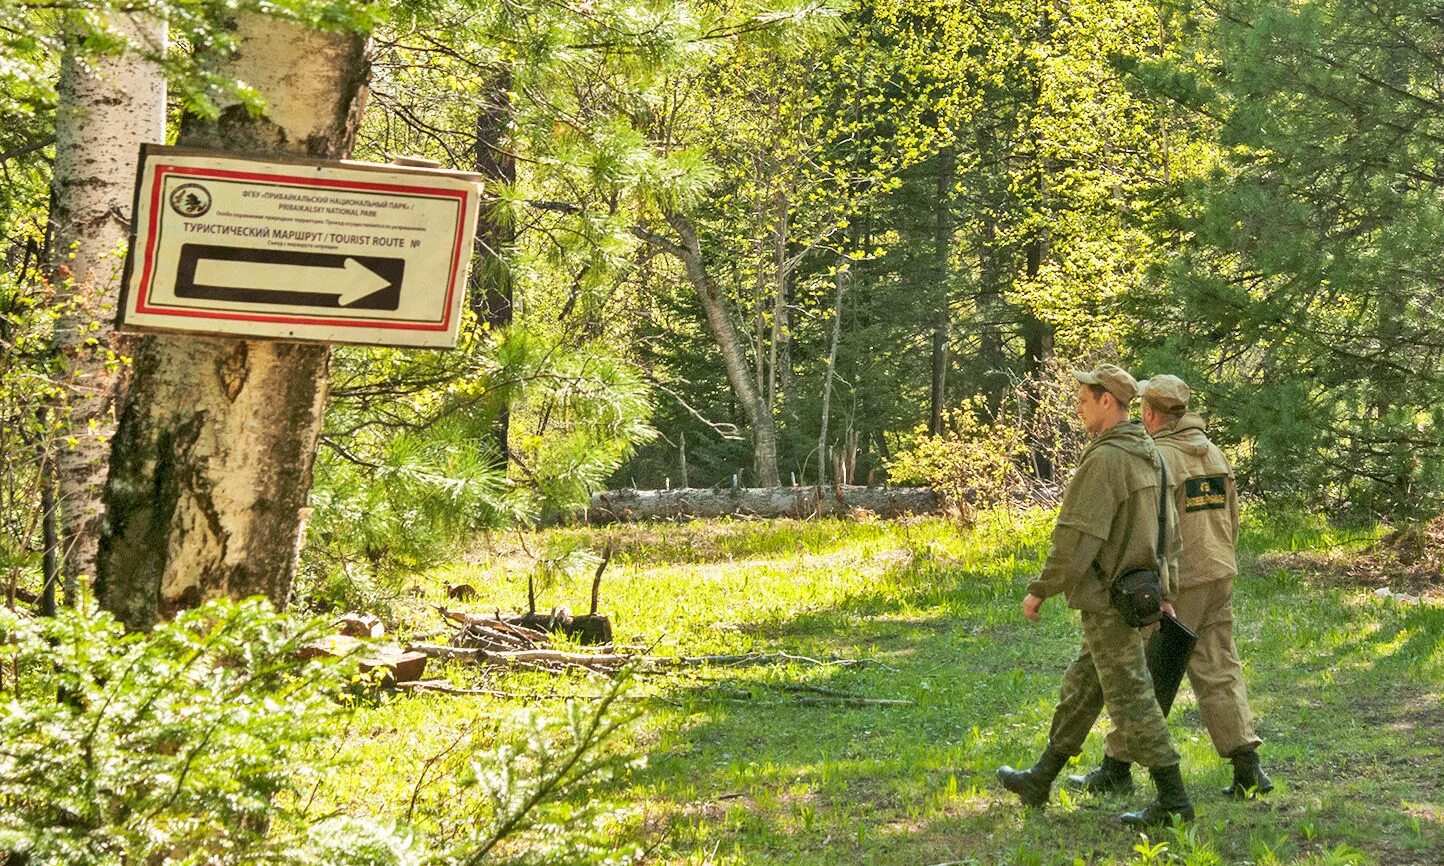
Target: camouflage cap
x=1166 y=393
x=1113 y=379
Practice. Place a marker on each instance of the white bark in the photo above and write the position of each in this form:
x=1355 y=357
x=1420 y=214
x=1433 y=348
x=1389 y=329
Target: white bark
x=754 y=405
x=213 y=457
x=843 y=278
x=108 y=107
x=780 y=327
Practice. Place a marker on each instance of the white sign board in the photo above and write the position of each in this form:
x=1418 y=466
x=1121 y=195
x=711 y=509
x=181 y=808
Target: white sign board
x=336 y=252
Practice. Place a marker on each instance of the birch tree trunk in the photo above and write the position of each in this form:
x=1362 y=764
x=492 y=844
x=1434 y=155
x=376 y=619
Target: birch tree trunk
x=729 y=342
x=108 y=107
x=843 y=278
x=781 y=329
x=212 y=460
x=759 y=318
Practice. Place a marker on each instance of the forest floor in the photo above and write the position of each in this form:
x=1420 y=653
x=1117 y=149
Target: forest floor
x=742 y=767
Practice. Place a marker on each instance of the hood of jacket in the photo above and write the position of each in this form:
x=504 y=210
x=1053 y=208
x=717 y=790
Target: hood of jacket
x=1186 y=434
x=1128 y=435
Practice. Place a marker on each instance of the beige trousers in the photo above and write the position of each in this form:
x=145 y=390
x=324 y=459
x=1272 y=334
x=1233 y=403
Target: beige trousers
x=1214 y=672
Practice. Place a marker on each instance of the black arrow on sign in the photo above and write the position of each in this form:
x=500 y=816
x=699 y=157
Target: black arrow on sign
x=289 y=278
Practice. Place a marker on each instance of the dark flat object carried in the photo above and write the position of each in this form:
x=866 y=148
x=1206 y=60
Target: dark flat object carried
x=1167 y=653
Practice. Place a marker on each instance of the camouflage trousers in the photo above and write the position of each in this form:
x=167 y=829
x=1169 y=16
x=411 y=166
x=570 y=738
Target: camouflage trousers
x=1111 y=672
x=1214 y=672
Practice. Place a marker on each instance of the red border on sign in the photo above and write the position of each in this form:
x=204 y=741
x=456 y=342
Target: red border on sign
x=186 y=171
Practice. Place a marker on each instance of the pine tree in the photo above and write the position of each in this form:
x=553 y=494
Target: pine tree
x=1307 y=277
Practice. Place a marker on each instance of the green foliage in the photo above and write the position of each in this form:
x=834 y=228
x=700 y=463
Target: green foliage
x=579 y=418
x=564 y=557
x=983 y=167
x=348 y=841
x=411 y=470
x=1016 y=450
x=547 y=757
x=974 y=463
x=27 y=389
x=1305 y=272
x=33 y=37
x=27 y=316
x=177 y=744
x=400 y=505
x=929 y=610
x=208 y=741
x=806 y=142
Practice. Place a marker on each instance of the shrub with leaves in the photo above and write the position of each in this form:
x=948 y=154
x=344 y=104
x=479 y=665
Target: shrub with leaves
x=170 y=747
x=205 y=741
x=974 y=463
x=1046 y=405
x=1022 y=448
x=344 y=840
x=578 y=424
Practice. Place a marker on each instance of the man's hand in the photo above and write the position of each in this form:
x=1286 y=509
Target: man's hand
x=1168 y=609
x=1031 y=605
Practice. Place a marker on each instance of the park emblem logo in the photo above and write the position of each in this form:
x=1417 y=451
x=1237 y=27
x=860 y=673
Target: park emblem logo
x=1205 y=493
x=190 y=200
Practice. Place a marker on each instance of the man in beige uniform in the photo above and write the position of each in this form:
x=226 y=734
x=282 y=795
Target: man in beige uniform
x=1108 y=524
x=1207 y=502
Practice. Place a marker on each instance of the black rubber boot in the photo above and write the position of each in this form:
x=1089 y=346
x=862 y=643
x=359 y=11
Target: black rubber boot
x=1248 y=777
x=1034 y=784
x=1112 y=777
x=1172 y=801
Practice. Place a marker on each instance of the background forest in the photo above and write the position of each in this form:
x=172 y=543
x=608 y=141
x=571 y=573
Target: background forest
x=799 y=243
x=723 y=243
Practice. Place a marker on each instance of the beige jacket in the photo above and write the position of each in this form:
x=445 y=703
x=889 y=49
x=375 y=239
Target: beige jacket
x=1108 y=522
x=1206 y=498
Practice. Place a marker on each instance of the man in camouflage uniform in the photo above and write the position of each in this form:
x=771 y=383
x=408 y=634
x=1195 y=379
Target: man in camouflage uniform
x=1108 y=524
x=1207 y=502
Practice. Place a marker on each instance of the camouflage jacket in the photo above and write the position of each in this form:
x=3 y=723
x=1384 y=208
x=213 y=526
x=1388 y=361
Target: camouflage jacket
x=1108 y=522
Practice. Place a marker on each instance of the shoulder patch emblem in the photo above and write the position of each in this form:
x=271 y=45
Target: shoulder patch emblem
x=1205 y=493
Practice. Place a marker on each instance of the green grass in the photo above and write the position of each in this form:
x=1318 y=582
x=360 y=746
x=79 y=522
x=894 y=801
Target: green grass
x=1349 y=692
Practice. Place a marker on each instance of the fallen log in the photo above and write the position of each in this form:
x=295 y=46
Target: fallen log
x=447 y=653
x=21 y=594
x=851 y=702
x=624 y=506
x=446 y=688
x=481 y=637
x=443 y=687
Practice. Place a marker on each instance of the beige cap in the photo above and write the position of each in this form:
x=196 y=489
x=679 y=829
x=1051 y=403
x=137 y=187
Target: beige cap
x=1168 y=393
x=1114 y=379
